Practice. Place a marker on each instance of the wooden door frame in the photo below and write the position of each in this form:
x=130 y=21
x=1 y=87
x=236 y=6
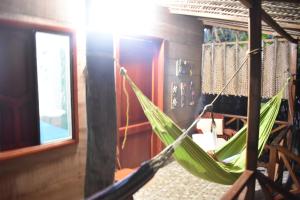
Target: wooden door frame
x=157 y=95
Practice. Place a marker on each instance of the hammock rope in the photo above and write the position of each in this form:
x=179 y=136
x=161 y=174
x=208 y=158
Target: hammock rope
x=196 y=160
x=190 y=155
x=127 y=113
x=185 y=134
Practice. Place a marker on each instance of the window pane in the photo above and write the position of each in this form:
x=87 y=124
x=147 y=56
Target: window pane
x=54 y=89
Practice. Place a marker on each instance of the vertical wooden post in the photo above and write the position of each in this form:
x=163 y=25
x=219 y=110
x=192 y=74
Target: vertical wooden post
x=254 y=91
x=101 y=112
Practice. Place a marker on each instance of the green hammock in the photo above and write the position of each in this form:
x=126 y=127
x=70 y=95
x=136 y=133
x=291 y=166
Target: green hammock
x=196 y=160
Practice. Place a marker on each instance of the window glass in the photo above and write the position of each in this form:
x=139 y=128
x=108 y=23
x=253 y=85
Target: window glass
x=54 y=89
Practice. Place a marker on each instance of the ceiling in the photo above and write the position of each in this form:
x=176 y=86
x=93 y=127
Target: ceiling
x=233 y=14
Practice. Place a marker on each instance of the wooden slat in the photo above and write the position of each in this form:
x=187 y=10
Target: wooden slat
x=136 y=128
x=265 y=180
x=278 y=128
x=266 y=191
x=230 y=121
x=272 y=165
x=288 y=154
x=238 y=186
x=290 y=169
x=244 y=117
x=280 y=137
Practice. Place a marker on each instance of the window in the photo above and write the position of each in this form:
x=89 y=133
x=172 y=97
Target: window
x=54 y=94
x=37 y=98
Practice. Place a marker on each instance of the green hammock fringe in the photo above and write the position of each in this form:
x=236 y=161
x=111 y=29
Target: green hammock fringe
x=196 y=160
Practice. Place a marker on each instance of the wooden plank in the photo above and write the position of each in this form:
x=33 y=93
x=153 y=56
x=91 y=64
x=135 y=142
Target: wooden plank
x=254 y=91
x=238 y=186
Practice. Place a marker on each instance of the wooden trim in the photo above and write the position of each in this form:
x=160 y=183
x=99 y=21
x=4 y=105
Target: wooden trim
x=118 y=89
x=74 y=87
x=157 y=95
x=11 y=154
x=133 y=129
x=156 y=144
x=238 y=186
x=36 y=26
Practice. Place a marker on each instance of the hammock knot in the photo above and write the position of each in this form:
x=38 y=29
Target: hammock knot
x=123 y=71
x=208 y=106
x=254 y=51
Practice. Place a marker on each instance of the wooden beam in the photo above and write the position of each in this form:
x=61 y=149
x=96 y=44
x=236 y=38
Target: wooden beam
x=272 y=23
x=284 y=1
x=101 y=112
x=242 y=26
x=238 y=186
x=265 y=180
x=254 y=91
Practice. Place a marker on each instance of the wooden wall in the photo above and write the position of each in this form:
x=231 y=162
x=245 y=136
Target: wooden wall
x=57 y=174
x=184 y=36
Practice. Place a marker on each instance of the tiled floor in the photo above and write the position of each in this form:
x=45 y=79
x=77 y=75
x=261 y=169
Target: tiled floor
x=174 y=183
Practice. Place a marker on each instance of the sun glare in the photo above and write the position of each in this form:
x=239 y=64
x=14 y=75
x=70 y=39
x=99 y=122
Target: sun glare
x=120 y=16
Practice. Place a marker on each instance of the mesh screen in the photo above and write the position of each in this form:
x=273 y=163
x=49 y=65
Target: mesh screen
x=268 y=70
x=243 y=74
x=218 y=68
x=282 y=65
x=221 y=60
x=230 y=61
x=207 y=69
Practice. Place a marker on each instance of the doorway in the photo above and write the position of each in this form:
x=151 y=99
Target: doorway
x=143 y=58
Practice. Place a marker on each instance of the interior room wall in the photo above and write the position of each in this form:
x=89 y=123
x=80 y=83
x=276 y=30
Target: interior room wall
x=59 y=173
x=184 y=36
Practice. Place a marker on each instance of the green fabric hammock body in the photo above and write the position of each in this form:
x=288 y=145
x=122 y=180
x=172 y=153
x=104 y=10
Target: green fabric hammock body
x=196 y=160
